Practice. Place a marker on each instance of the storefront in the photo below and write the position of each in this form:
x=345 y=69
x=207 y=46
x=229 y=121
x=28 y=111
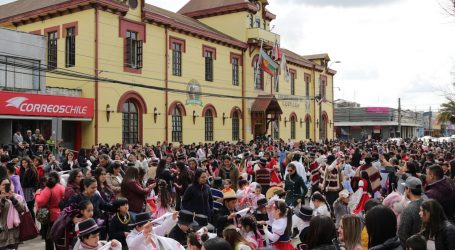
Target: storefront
x=59 y=118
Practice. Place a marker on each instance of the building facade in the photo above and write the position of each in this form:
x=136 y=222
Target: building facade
x=376 y=123
x=26 y=103
x=189 y=76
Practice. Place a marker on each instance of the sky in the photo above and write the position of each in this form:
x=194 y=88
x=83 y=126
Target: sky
x=388 y=49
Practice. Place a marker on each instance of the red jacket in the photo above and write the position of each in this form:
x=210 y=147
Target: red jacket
x=136 y=195
x=43 y=198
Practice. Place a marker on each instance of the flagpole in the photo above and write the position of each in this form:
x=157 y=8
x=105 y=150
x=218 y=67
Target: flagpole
x=257 y=73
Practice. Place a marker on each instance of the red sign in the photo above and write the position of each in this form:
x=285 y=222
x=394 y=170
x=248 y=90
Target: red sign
x=14 y=103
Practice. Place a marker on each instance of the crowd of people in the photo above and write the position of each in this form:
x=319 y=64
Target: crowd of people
x=264 y=194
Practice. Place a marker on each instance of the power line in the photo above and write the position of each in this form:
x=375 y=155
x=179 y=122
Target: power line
x=88 y=77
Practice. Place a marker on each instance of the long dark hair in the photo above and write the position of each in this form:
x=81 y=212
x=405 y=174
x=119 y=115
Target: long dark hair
x=97 y=173
x=381 y=224
x=250 y=221
x=165 y=195
x=184 y=174
x=366 y=177
x=321 y=231
x=437 y=218
x=217 y=244
x=73 y=175
x=53 y=179
x=160 y=168
x=285 y=211
x=197 y=175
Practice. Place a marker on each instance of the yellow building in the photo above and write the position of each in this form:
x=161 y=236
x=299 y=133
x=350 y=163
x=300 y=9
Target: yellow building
x=189 y=76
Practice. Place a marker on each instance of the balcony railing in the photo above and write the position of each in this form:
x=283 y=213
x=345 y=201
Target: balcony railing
x=259 y=34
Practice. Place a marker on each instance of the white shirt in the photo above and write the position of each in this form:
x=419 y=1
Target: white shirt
x=136 y=241
x=278 y=229
x=322 y=210
x=200 y=153
x=102 y=245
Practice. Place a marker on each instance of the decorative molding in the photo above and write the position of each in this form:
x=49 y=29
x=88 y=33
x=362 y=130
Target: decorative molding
x=53 y=29
x=69 y=25
x=209 y=106
x=182 y=42
x=206 y=48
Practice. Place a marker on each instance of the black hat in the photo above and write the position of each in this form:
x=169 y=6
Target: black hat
x=312 y=155
x=263 y=161
x=181 y=156
x=305 y=213
x=142 y=218
x=87 y=227
x=246 y=154
x=262 y=202
x=202 y=221
x=217 y=181
x=186 y=218
x=261 y=217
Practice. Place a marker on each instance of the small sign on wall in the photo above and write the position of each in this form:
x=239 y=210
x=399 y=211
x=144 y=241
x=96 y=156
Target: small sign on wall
x=194 y=93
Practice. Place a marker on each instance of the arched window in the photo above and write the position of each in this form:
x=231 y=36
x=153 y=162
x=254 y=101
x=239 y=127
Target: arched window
x=208 y=125
x=235 y=126
x=307 y=126
x=130 y=126
x=177 y=132
x=292 y=127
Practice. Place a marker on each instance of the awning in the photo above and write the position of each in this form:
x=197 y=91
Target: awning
x=266 y=104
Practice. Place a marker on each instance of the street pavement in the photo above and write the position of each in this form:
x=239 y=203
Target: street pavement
x=35 y=244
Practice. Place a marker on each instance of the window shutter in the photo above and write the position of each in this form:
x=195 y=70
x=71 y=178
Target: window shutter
x=128 y=52
x=139 y=54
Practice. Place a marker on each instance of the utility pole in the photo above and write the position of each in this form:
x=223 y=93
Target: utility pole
x=399 y=117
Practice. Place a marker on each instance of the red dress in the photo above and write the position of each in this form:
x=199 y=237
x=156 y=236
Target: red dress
x=363 y=185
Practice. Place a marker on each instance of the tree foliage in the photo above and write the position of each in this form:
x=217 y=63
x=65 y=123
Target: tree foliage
x=447 y=112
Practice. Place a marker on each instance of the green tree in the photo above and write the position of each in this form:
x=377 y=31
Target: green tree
x=447 y=112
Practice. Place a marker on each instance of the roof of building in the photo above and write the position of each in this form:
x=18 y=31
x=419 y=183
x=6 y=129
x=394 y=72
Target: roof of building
x=198 y=5
x=179 y=21
x=204 y=8
x=317 y=56
x=266 y=103
x=297 y=59
x=23 y=6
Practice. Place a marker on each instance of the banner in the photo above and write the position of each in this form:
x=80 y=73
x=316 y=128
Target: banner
x=14 y=103
x=266 y=63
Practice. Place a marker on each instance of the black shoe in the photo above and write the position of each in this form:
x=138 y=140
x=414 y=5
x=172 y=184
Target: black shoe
x=295 y=232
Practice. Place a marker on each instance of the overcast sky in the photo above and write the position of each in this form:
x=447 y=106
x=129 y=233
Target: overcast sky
x=387 y=48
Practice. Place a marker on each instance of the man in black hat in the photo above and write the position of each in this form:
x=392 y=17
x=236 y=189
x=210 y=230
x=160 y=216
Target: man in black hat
x=301 y=221
x=89 y=236
x=226 y=214
x=181 y=230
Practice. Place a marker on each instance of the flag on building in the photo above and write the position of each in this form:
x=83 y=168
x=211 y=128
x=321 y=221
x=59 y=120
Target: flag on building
x=276 y=52
x=266 y=63
x=285 y=69
x=321 y=100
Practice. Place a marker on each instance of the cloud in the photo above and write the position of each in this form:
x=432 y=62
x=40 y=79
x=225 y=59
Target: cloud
x=341 y=3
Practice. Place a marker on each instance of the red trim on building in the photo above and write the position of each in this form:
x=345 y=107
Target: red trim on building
x=41 y=14
x=238 y=56
x=250 y=7
x=53 y=29
x=324 y=114
x=307 y=78
x=126 y=24
x=137 y=99
x=35 y=32
x=179 y=105
x=293 y=115
x=234 y=110
x=323 y=78
x=206 y=48
x=307 y=118
x=69 y=25
x=182 y=42
x=294 y=72
x=130 y=25
x=209 y=107
x=141 y=106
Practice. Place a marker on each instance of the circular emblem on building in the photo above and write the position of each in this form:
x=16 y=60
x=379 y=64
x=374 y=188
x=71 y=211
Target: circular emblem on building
x=194 y=90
